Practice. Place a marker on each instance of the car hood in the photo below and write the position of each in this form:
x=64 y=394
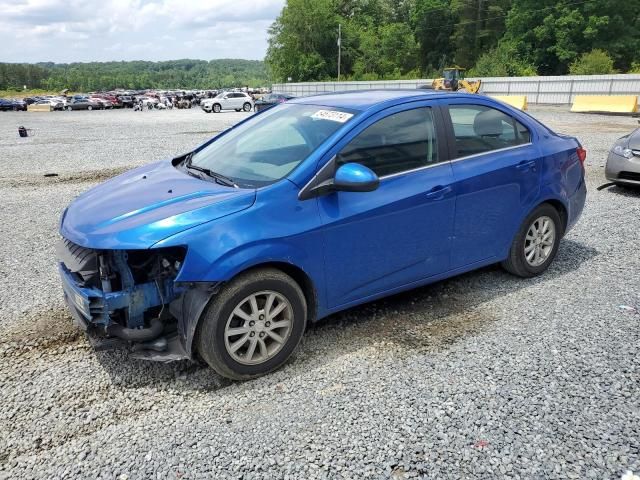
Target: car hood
x=634 y=140
x=148 y=204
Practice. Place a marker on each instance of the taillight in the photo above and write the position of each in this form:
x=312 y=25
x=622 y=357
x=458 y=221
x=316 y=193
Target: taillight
x=582 y=154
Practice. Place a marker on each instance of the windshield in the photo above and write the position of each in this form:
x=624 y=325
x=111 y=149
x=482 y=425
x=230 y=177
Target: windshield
x=269 y=146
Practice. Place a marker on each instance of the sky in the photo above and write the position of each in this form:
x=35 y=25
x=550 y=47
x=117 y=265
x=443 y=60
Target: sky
x=66 y=31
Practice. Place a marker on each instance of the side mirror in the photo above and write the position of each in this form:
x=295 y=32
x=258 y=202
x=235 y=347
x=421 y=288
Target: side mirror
x=353 y=177
x=350 y=177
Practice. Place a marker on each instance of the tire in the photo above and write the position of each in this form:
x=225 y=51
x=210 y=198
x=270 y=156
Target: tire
x=246 y=107
x=89 y=108
x=217 y=108
x=237 y=109
x=214 y=344
x=517 y=263
x=69 y=109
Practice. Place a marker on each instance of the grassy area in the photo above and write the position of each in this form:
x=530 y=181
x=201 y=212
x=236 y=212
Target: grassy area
x=26 y=93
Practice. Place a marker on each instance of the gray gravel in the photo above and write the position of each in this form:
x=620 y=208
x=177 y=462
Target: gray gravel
x=480 y=376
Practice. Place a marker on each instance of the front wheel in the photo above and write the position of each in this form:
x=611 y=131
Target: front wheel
x=246 y=107
x=69 y=109
x=536 y=243
x=253 y=325
x=89 y=107
x=217 y=108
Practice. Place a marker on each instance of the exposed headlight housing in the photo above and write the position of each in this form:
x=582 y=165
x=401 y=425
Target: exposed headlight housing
x=622 y=151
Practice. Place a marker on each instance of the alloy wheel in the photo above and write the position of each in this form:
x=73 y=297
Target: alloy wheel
x=539 y=241
x=258 y=327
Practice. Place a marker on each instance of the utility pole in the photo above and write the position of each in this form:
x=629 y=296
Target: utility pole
x=339 y=48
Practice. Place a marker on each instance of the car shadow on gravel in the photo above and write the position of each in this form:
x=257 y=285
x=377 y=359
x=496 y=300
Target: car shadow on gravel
x=431 y=318
x=630 y=191
x=436 y=316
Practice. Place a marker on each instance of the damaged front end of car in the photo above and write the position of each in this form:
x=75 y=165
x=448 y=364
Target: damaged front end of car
x=123 y=297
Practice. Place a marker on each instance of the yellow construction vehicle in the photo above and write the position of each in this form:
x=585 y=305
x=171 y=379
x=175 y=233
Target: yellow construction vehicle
x=453 y=79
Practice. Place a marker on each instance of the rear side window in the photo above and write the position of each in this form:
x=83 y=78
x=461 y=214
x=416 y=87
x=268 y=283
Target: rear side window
x=479 y=129
x=400 y=142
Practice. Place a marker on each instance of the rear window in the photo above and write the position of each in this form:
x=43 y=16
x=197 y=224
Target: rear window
x=479 y=129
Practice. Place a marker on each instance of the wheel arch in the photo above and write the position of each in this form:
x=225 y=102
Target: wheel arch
x=192 y=325
x=299 y=276
x=560 y=208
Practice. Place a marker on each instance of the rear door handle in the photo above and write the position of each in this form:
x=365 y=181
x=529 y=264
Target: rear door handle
x=526 y=165
x=438 y=192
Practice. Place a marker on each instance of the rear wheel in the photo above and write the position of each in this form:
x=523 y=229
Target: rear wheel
x=247 y=107
x=536 y=243
x=69 y=109
x=253 y=325
x=89 y=107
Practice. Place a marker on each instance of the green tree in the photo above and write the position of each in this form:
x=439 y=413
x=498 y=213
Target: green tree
x=303 y=41
x=108 y=75
x=555 y=33
x=594 y=62
x=503 y=61
x=432 y=22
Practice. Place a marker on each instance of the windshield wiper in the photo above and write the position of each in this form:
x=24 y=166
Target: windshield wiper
x=218 y=177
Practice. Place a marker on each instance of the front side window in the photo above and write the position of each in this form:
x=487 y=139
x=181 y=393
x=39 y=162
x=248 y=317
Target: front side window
x=269 y=146
x=400 y=142
x=480 y=129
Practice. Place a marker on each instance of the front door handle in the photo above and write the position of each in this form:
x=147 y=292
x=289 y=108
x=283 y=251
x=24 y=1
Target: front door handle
x=526 y=165
x=438 y=192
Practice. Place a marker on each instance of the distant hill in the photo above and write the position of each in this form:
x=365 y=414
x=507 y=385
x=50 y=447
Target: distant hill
x=93 y=76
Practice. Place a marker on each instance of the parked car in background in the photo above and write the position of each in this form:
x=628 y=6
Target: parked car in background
x=108 y=101
x=12 y=104
x=228 y=101
x=146 y=101
x=314 y=206
x=80 y=104
x=100 y=103
x=54 y=103
x=126 y=101
x=270 y=100
x=623 y=162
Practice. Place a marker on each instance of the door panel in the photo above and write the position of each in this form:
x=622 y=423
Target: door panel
x=399 y=233
x=387 y=238
x=495 y=190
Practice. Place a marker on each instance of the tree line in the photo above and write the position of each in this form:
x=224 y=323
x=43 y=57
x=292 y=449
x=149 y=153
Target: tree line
x=383 y=39
x=94 y=76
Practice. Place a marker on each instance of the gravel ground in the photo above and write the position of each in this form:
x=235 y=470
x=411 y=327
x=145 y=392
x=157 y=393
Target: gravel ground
x=480 y=376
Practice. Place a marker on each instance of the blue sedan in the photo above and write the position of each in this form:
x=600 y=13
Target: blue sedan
x=226 y=253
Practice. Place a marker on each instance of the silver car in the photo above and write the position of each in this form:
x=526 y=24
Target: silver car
x=623 y=163
x=228 y=101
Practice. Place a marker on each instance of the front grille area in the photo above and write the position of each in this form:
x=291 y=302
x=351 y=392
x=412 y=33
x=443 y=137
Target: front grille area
x=629 y=176
x=77 y=259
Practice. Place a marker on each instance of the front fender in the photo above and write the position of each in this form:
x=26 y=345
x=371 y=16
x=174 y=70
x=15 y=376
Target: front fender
x=232 y=263
x=190 y=307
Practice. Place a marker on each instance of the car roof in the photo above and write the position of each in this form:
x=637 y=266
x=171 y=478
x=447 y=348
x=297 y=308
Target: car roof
x=364 y=99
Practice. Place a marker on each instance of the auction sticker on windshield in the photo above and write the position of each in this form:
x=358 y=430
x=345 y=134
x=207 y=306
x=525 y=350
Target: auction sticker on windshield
x=332 y=115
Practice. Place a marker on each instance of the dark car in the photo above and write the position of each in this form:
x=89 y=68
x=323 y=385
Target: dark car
x=126 y=101
x=80 y=104
x=12 y=105
x=309 y=208
x=270 y=100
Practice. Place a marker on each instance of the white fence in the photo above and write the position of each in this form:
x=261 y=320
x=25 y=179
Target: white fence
x=551 y=90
